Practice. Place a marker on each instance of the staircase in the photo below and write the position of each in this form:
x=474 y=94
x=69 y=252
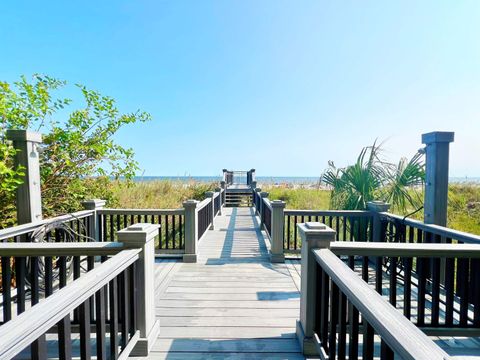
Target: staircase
x=238 y=197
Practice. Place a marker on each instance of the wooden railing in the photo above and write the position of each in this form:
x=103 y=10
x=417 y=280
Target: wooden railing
x=350 y=225
x=172 y=224
x=346 y=307
x=217 y=201
x=104 y=295
x=441 y=299
x=79 y=224
x=205 y=216
x=396 y=228
x=267 y=216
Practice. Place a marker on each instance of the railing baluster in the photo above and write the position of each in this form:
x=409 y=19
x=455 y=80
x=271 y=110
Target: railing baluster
x=422 y=282
x=100 y=325
x=407 y=288
x=173 y=232
x=332 y=338
x=20 y=274
x=64 y=338
x=353 y=332
x=6 y=288
x=435 y=316
x=342 y=331
x=386 y=352
x=84 y=314
x=393 y=281
x=368 y=341
x=39 y=347
x=113 y=318
x=449 y=290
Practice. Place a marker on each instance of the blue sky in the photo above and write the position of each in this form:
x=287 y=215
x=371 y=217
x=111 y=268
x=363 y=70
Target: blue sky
x=281 y=86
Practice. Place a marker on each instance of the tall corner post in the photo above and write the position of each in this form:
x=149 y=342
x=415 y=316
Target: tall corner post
x=314 y=235
x=94 y=228
x=278 y=225
x=436 y=178
x=29 y=198
x=211 y=195
x=263 y=194
x=377 y=207
x=142 y=236
x=191 y=232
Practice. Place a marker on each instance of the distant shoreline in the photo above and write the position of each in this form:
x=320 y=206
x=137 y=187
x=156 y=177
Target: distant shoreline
x=274 y=180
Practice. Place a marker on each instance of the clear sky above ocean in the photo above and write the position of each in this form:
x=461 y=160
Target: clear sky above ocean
x=280 y=86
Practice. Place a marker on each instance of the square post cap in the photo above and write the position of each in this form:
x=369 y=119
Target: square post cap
x=252 y=170
x=190 y=204
x=93 y=204
x=258 y=190
x=217 y=189
x=438 y=137
x=138 y=234
x=378 y=206
x=264 y=194
x=24 y=135
x=278 y=204
x=209 y=194
x=316 y=231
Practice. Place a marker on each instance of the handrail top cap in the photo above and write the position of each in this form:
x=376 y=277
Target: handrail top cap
x=438 y=136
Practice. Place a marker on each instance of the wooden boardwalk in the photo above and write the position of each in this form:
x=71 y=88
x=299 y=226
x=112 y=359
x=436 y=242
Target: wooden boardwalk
x=233 y=303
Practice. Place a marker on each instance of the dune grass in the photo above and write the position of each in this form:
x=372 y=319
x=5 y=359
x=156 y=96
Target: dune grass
x=158 y=194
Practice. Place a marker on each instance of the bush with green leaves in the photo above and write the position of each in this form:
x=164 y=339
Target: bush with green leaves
x=78 y=143
x=373 y=178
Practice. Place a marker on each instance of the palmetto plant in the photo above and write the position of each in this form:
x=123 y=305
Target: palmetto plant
x=372 y=178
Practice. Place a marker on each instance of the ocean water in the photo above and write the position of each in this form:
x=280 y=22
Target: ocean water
x=273 y=179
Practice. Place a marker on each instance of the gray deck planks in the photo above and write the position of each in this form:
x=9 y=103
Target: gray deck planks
x=233 y=303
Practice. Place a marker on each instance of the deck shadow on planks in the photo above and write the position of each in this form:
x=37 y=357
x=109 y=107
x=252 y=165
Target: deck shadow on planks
x=279 y=347
x=277 y=295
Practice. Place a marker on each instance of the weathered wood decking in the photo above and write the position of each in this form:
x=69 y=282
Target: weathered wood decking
x=233 y=303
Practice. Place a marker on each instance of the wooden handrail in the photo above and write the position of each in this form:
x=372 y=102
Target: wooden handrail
x=60 y=249
x=435 y=229
x=403 y=337
x=27 y=327
x=203 y=203
x=428 y=250
x=29 y=227
x=140 y=211
x=292 y=212
x=267 y=202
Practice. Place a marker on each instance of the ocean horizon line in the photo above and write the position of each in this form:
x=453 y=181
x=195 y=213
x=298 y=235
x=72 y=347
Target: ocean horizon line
x=269 y=179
